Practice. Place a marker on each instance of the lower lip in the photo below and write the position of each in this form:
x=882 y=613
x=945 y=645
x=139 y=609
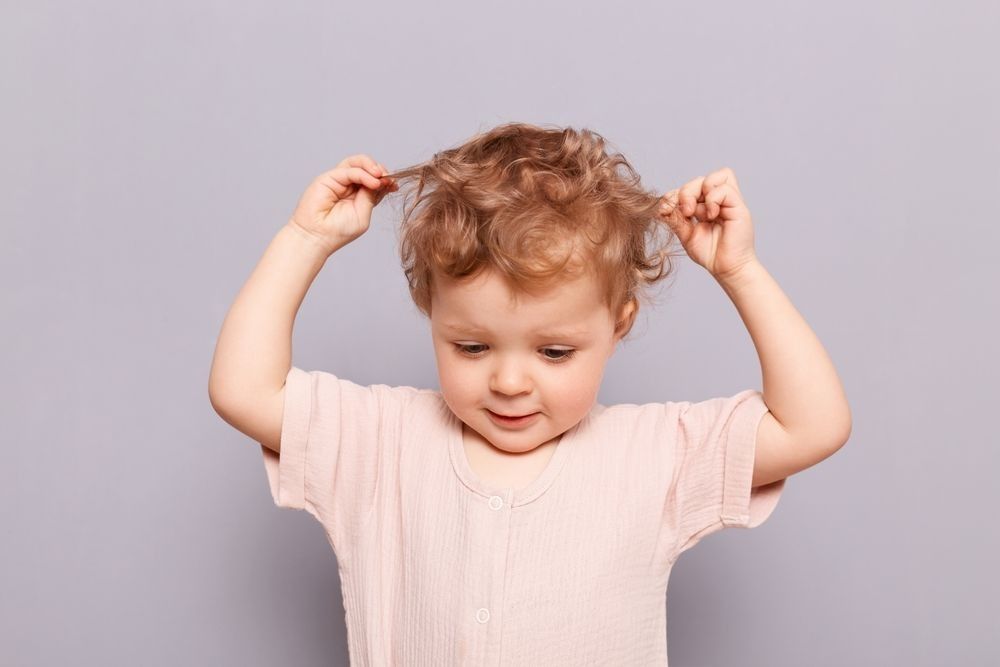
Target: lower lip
x=515 y=421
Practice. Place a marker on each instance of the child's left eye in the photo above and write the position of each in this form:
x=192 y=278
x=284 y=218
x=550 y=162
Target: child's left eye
x=563 y=354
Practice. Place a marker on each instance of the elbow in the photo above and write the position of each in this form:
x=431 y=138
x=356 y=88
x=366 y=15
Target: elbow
x=843 y=431
x=216 y=402
x=849 y=422
x=213 y=393
x=833 y=434
x=216 y=396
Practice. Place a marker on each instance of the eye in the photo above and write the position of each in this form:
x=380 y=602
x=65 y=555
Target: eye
x=470 y=349
x=553 y=354
x=563 y=355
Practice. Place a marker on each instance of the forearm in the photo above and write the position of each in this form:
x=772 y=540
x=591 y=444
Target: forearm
x=254 y=351
x=800 y=384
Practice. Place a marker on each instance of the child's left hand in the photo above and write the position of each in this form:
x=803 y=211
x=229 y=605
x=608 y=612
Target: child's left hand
x=721 y=240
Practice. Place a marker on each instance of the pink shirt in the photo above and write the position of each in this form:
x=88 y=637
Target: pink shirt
x=439 y=568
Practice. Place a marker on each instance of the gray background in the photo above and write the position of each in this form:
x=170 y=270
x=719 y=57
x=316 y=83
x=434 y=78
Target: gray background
x=151 y=152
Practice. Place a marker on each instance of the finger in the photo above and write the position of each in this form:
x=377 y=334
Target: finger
x=365 y=161
x=380 y=194
x=361 y=160
x=365 y=200
x=346 y=177
x=721 y=196
x=731 y=179
x=689 y=195
x=678 y=224
x=386 y=180
x=668 y=203
x=718 y=177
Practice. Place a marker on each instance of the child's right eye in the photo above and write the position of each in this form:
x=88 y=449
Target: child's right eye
x=465 y=349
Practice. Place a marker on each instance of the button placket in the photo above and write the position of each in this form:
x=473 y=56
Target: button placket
x=495 y=503
x=490 y=618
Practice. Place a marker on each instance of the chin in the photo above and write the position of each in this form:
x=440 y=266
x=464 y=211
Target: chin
x=521 y=441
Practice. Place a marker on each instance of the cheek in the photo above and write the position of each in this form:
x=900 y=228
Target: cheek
x=577 y=391
x=457 y=379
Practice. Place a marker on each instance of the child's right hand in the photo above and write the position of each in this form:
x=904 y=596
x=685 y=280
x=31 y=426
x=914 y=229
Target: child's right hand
x=337 y=206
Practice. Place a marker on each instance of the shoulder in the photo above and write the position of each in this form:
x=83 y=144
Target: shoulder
x=661 y=421
x=632 y=424
x=326 y=395
x=336 y=383
x=635 y=414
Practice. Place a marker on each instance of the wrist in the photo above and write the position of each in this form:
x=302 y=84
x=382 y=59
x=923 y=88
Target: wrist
x=307 y=243
x=740 y=276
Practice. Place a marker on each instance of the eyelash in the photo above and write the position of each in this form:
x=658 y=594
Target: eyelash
x=567 y=354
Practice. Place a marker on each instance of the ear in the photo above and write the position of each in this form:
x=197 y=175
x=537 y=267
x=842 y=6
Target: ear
x=626 y=317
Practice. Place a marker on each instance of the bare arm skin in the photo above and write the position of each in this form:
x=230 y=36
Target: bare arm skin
x=809 y=417
x=254 y=352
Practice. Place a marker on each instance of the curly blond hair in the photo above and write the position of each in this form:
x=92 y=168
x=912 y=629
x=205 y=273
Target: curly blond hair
x=537 y=205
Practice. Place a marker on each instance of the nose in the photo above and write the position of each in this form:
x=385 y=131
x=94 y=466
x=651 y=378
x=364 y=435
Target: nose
x=508 y=377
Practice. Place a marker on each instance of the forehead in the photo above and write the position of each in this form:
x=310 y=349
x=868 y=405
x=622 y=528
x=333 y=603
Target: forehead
x=487 y=303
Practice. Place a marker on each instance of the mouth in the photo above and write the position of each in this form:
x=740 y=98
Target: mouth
x=512 y=416
x=512 y=420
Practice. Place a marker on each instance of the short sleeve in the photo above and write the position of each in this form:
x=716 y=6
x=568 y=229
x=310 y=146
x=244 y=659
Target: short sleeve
x=714 y=457
x=334 y=437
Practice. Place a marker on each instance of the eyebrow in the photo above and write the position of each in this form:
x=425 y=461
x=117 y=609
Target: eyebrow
x=552 y=333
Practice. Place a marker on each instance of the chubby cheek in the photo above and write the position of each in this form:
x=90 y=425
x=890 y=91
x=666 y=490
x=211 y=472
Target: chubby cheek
x=576 y=395
x=458 y=383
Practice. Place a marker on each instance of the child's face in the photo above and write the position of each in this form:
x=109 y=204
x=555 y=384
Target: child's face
x=497 y=357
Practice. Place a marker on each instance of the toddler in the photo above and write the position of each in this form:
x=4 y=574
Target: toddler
x=508 y=518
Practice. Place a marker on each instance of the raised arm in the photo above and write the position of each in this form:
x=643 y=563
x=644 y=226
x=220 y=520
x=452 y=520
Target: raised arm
x=808 y=417
x=254 y=352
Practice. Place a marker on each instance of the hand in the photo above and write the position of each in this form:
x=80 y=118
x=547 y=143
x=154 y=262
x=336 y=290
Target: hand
x=337 y=206
x=721 y=239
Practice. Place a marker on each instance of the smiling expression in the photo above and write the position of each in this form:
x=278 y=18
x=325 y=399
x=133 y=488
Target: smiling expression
x=541 y=358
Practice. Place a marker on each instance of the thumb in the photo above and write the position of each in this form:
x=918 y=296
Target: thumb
x=364 y=201
x=670 y=213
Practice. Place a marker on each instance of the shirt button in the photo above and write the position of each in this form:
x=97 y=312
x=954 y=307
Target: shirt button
x=483 y=615
x=496 y=502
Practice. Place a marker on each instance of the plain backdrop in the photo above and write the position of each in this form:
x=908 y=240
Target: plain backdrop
x=150 y=152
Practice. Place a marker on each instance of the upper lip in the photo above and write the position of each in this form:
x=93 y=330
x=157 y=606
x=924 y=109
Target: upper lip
x=503 y=415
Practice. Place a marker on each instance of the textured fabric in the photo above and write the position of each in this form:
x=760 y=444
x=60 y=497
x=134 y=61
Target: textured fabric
x=439 y=568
